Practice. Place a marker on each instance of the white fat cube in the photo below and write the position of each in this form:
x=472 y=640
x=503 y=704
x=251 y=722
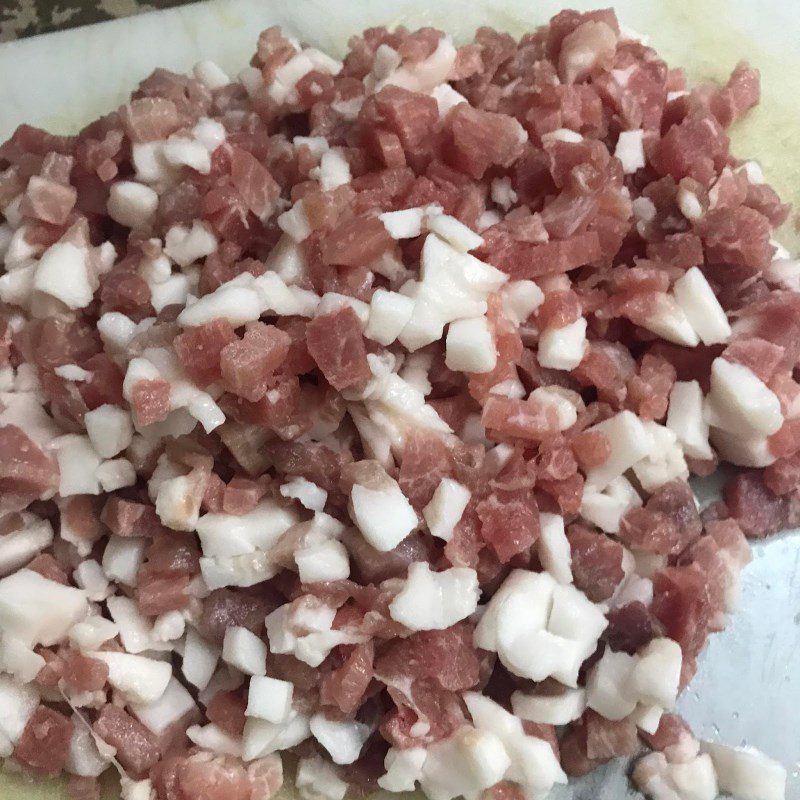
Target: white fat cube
x=446 y=508
x=237 y=303
x=454 y=232
x=200 y=659
x=606 y=685
x=343 y=739
x=384 y=516
x=550 y=709
x=523 y=597
x=135 y=629
x=316 y=779
x=92 y=632
x=553 y=396
x=405 y=223
x=685 y=419
x=747 y=773
x=232 y=535
x=470 y=346
x=187 y=245
x=20 y=546
x=37 y=610
x=537 y=655
x=209 y=132
x=630 y=442
x=77 y=464
x=294 y=222
x=322 y=561
x=18 y=659
x=17 y=704
x=647 y=718
x=389 y=314
x=122 y=558
x=335 y=301
x=140 y=679
x=269 y=699
x=464 y=764
x=63 y=273
x=446 y=97
x=110 y=429
x=212 y=737
x=669 y=321
x=664 y=463
x=696 y=779
x=334 y=170
x=575 y=617
x=174 y=291
x=503 y=193
x=116 y=330
x=741 y=402
x=210 y=74
x=435 y=600
x=242 y=649
x=89 y=576
x=607 y=508
x=180 y=151
x=261 y=738
x=158 y=715
x=702 y=309
x=563 y=348
x=752 y=451
x=521 y=299
x=307 y=493
x=630 y=150
x=131 y=204
x=553 y=547
x=178 y=503
x=656 y=674
x=403 y=769
x=149 y=162
x=84 y=757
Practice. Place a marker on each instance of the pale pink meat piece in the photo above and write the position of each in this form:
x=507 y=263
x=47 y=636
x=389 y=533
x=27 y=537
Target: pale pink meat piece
x=44 y=744
x=630 y=627
x=199 y=350
x=754 y=506
x=26 y=472
x=150 y=400
x=345 y=686
x=149 y=118
x=509 y=522
x=49 y=568
x=226 y=710
x=480 y=139
x=336 y=343
x=447 y=657
x=509 y=418
x=227 y=607
x=137 y=748
x=84 y=673
x=356 y=242
x=204 y=776
x=607 y=739
x=666 y=524
x=83 y=788
x=681 y=605
x=596 y=562
x=247 y=365
x=253 y=181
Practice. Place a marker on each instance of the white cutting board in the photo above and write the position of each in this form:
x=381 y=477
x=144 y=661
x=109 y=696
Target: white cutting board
x=747 y=689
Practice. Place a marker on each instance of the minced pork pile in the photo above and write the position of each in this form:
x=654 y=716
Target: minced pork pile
x=348 y=409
